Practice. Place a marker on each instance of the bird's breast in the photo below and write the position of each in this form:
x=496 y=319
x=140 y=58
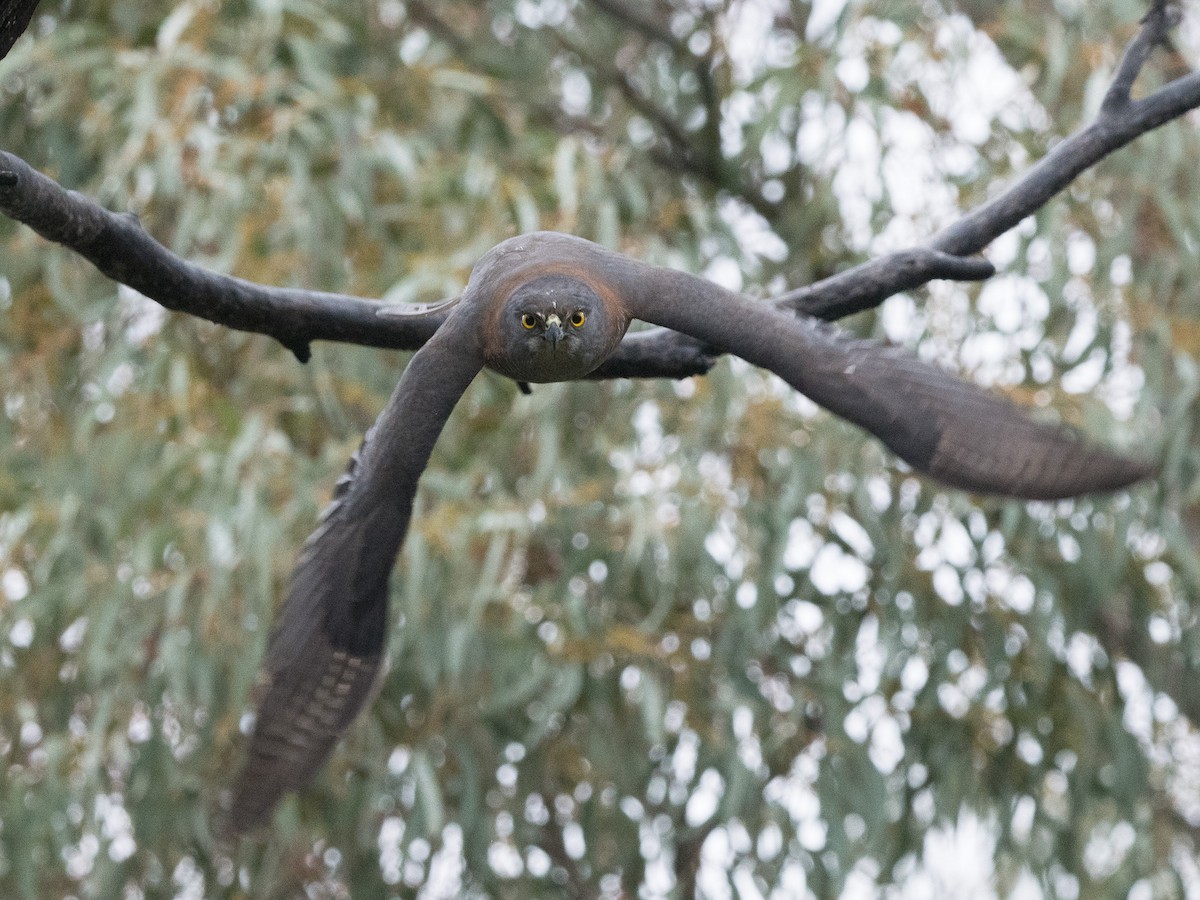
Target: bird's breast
x=539 y=360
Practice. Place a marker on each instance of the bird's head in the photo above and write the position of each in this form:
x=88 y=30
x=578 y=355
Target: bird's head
x=554 y=327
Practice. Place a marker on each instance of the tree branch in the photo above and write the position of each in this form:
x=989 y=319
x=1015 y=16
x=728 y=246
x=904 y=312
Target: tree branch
x=867 y=285
x=121 y=249
x=1156 y=24
x=15 y=16
x=1119 y=121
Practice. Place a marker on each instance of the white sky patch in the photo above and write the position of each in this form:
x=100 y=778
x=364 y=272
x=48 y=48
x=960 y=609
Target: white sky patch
x=143 y=317
x=726 y=272
x=945 y=540
x=1123 y=386
x=852 y=533
x=802 y=545
x=834 y=571
x=755 y=46
x=980 y=88
x=21 y=634
x=853 y=72
x=1083 y=333
x=188 y=880
x=116 y=826
x=738 y=110
x=869 y=655
x=916 y=189
x=754 y=236
x=800 y=618
x=823 y=17
x=14 y=584
x=1139 y=699
x=72 y=637
x=446 y=867
x=722 y=545
x=942 y=871
x=903 y=321
x=1086 y=376
x=704 y=800
x=818 y=141
x=1016 y=304
x=576 y=90
x=391 y=853
x=857 y=183
x=795 y=793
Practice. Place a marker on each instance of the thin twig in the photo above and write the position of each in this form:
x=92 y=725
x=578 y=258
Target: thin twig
x=1153 y=32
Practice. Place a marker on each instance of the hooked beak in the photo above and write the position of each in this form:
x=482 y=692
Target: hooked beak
x=554 y=331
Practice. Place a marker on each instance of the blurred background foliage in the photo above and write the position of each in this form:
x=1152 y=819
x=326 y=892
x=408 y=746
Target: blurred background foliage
x=652 y=638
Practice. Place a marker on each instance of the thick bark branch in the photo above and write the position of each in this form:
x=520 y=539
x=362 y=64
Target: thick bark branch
x=14 y=19
x=867 y=285
x=120 y=248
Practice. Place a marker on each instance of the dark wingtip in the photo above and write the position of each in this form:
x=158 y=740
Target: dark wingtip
x=1077 y=471
x=1118 y=479
x=1131 y=471
x=309 y=703
x=1102 y=471
x=251 y=807
x=237 y=822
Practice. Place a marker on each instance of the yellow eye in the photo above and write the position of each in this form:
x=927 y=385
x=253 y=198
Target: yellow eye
x=577 y=318
x=528 y=321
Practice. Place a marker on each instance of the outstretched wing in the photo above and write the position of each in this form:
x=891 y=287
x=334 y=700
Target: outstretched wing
x=326 y=650
x=938 y=424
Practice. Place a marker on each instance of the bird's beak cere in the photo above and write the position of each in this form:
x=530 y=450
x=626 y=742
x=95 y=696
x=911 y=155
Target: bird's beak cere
x=554 y=330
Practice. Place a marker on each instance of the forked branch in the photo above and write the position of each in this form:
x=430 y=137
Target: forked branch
x=120 y=248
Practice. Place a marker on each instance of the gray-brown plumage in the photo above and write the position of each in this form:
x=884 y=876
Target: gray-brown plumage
x=551 y=307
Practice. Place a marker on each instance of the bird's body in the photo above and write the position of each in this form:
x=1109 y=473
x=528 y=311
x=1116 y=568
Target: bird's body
x=552 y=307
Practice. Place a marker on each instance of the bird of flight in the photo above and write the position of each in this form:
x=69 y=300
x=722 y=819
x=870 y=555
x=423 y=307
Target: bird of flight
x=552 y=307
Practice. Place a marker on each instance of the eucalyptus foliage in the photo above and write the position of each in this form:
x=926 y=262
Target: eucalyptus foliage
x=650 y=638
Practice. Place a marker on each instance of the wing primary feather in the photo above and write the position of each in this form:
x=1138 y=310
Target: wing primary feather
x=941 y=425
x=326 y=651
